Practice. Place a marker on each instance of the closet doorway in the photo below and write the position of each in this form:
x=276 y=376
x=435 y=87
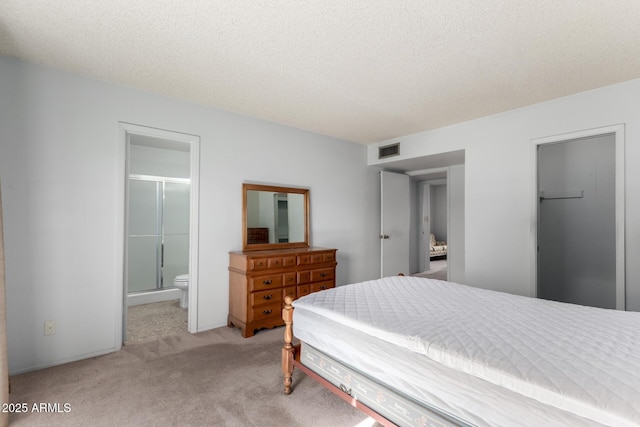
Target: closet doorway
x=580 y=218
x=161 y=238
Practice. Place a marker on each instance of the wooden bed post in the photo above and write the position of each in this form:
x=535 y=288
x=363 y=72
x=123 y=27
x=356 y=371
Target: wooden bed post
x=288 y=351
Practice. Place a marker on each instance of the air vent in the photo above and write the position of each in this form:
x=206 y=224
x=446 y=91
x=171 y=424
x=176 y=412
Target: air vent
x=389 y=150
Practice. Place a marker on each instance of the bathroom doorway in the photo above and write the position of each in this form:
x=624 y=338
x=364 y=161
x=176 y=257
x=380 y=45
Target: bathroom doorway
x=158 y=245
x=160 y=263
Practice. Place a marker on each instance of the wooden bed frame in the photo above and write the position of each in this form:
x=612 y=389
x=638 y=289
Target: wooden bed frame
x=291 y=360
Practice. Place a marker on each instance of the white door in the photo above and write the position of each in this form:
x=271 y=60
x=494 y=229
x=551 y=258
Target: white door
x=395 y=224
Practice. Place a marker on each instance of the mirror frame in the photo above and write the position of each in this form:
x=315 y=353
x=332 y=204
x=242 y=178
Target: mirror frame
x=275 y=189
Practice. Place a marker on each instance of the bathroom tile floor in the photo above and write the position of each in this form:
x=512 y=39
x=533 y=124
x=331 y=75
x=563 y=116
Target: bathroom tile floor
x=147 y=322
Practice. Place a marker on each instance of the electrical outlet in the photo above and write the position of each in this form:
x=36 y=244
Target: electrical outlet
x=49 y=327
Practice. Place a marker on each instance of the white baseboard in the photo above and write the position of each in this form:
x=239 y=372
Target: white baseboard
x=153 y=296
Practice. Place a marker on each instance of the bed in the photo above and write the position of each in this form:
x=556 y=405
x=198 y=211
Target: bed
x=420 y=352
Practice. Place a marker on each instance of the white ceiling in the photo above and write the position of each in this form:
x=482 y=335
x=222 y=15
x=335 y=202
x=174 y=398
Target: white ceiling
x=361 y=70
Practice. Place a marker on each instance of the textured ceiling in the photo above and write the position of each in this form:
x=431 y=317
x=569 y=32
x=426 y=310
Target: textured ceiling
x=361 y=70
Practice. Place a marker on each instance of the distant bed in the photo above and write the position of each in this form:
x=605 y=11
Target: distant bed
x=414 y=351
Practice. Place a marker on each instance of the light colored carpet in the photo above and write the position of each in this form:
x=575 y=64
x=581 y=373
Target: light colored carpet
x=438 y=270
x=154 y=321
x=213 y=378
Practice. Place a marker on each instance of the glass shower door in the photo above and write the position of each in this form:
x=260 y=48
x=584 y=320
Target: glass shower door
x=145 y=239
x=158 y=233
x=175 y=231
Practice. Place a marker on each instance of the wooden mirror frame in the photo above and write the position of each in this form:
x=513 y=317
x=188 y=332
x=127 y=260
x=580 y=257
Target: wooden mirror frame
x=265 y=246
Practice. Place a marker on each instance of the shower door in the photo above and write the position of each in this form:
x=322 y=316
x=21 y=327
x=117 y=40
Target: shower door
x=158 y=232
x=175 y=243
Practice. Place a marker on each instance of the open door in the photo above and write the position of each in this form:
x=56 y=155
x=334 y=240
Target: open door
x=395 y=224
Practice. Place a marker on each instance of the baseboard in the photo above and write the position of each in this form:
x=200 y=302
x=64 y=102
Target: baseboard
x=153 y=296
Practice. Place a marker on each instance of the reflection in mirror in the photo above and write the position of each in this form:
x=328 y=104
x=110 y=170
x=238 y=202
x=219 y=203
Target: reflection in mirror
x=275 y=217
x=280 y=215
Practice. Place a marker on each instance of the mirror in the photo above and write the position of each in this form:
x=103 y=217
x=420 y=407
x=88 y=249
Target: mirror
x=274 y=217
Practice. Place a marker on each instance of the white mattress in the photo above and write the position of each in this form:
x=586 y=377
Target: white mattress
x=487 y=358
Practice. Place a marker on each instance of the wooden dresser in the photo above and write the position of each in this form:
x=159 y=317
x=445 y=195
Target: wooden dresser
x=259 y=281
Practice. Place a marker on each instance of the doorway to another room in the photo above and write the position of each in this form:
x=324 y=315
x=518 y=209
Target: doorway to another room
x=433 y=217
x=409 y=208
x=160 y=280
x=158 y=244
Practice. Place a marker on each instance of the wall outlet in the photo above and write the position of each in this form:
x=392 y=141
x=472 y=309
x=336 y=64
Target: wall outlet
x=49 y=327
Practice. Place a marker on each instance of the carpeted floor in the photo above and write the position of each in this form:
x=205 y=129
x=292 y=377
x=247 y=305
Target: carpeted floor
x=438 y=270
x=214 y=378
x=156 y=320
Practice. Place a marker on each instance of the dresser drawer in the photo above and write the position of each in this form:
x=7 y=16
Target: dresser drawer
x=304 y=259
x=322 y=274
x=321 y=286
x=328 y=257
x=288 y=261
x=289 y=291
x=274 y=263
x=258 y=263
x=266 y=311
x=265 y=282
x=289 y=279
x=304 y=277
x=304 y=290
x=264 y=297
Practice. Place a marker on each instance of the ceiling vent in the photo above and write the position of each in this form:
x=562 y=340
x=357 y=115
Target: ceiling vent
x=389 y=151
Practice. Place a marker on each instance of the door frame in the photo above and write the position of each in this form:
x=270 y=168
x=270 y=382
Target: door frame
x=424 y=182
x=124 y=131
x=424 y=208
x=619 y=136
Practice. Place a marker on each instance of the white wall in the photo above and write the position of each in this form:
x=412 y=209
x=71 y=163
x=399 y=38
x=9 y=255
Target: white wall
x=456 y=233
x=60 y=168
x=439 y=211
x=499 y=190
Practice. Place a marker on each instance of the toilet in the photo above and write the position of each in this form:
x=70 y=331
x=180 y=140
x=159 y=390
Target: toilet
x=182 y=282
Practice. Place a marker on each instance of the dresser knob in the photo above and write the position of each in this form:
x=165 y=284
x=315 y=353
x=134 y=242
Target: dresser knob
x=266 y=282
x=267 y=297
x=323 y=274
x=267 y=311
